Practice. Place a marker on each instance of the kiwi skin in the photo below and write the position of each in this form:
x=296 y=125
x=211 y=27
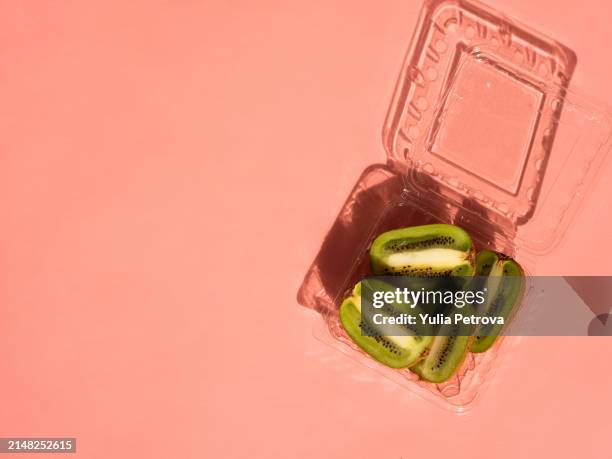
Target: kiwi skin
x=420 y=238
x=486 y=262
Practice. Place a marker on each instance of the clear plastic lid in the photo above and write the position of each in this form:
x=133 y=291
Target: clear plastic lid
x=482 y=107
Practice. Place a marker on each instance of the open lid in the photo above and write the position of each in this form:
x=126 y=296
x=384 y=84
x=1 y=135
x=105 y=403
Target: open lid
x=482 y=115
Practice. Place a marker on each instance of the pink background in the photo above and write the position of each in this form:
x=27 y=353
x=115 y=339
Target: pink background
x=168 y=172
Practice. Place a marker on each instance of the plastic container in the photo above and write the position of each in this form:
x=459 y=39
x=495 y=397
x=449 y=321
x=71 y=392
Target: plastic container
x=482 y=132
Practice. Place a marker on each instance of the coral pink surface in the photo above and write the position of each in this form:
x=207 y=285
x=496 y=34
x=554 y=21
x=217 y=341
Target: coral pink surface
x=168 y=172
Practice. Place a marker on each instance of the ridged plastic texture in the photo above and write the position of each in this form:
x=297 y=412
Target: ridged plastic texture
x=482 y=107
x=483 y=132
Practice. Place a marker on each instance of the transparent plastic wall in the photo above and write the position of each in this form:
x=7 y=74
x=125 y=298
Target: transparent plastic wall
x=485 y=132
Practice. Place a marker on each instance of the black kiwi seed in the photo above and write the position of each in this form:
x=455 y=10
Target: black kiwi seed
x=369 y=331
x=440 y=241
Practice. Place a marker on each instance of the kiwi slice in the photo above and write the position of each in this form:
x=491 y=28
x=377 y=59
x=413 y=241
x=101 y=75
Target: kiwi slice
x=447 y=353
x=503 y=278
x=399 y=351
x=429 y=250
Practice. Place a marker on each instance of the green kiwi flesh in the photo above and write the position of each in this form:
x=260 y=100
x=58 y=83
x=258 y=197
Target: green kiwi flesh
x=429 y=250
x=446 y=354
x=399 y=351
x=504 y=280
